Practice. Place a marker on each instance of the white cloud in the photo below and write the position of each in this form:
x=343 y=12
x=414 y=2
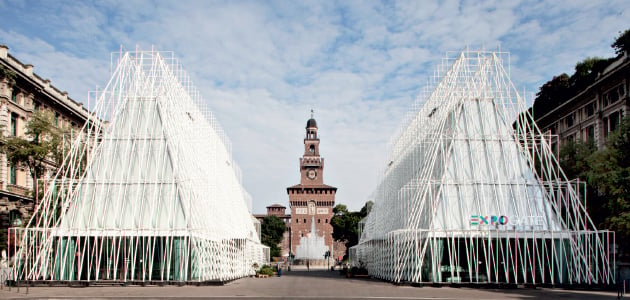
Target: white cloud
x=262 y=66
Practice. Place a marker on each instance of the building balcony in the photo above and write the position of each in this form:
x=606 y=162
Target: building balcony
x=18 y=190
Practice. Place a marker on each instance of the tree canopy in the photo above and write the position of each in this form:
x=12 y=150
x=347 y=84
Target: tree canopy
x=573 y=157
x=563 y=87
x=39 y=150
x=610 y=174
x=607 y=173
x=551 y=94
x=622 y=43
x=346 y=223
x=586 y=72
x=41 y=147
x=272 y=230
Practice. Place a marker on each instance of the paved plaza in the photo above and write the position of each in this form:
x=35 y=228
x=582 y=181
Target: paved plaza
x=300 y=284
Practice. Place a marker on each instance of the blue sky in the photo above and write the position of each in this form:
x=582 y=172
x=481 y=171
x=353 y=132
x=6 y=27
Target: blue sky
x=262 y=65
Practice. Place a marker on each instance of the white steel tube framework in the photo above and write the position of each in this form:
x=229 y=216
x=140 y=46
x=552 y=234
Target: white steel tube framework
x=472 y=192
x=153 y=194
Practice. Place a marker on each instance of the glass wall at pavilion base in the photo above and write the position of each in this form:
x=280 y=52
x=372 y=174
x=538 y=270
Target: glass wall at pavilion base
x=487 y=257
x=133 y=258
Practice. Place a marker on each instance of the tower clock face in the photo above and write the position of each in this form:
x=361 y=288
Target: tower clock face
x=311 y=174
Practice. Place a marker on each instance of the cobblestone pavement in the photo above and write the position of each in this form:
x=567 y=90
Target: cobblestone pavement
x=299 y=284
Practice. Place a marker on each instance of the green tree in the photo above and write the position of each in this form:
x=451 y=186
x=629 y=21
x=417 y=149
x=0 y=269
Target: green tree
x=272 y=230
x=622 y=43
x=346 y=224
x=40 y=149
x=610 y=174
x=562 y=87
x=366 y=209
x=607 y=173
x=551 y=94
x=573 y=158
x=586 y=72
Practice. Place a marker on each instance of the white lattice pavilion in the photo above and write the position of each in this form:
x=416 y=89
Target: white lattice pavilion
x=153 y=196
x=473 y=192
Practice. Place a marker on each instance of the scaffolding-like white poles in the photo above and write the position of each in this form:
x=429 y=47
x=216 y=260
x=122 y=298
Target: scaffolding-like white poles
x=473 y=193
x=151 y=195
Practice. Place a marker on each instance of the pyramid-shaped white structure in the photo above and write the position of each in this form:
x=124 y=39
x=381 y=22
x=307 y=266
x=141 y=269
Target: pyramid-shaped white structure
x=486 y=172
x=153 y=195
x=473 y=193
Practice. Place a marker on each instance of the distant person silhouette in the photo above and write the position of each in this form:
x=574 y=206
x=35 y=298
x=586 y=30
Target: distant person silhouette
x=308 y=265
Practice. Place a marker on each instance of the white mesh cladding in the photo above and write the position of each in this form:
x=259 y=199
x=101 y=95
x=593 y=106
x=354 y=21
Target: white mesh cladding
x=486 y=174
x=466 y=153
x=154 y=195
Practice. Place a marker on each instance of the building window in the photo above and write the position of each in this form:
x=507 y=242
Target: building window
x=614 y=94
x=305 y=221
x=56 y=119
x=319 y=221
x=15 y=218
x=13 y=175
x=297 y=221
x=14 y=119
x=590 y=109
x=326 y=220
x=569 y=120
x=590 y=134
x=14 y=95
x=612 y=97
x=36 y=106
x=613 y=119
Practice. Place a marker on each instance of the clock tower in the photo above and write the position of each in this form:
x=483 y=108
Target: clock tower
x=311 y=202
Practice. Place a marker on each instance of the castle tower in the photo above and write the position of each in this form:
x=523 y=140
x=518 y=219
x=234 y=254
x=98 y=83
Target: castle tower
x=311 y=202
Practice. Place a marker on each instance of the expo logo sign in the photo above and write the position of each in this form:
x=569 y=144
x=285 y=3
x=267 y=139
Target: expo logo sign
x=477 y=220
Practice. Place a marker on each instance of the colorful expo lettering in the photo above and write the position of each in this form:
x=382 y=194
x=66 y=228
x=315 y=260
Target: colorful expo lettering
x=488 y=220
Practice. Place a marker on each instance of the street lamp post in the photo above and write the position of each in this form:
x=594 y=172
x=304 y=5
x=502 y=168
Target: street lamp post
x=290 y=248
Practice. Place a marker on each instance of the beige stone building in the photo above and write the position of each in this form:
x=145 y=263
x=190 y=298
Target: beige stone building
x=594 y=112
x=20 y=98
